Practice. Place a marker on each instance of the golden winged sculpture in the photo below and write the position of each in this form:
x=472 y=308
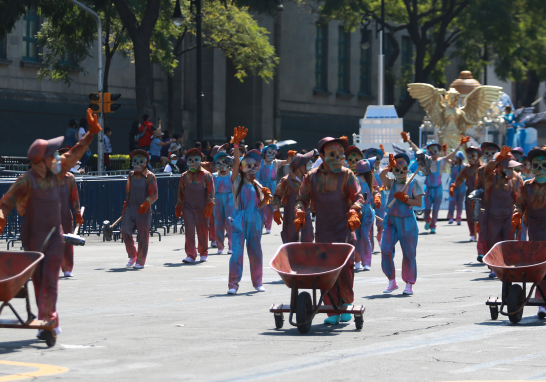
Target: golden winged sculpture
x=443 y=108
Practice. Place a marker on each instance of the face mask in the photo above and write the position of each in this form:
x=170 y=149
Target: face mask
x=433 y=153
x=488 y=154
x=194 y=163
x=139 y=163
x=174 y=161
x=352 y=160
x=472 y=157
x=221 y=164
x=270 y=155
x=538 y=168
x=509 y=172
x=401 y=170
x=249 y=167
x=377 y=164
x=56 y=163
x=334 y=156
x=309 y=166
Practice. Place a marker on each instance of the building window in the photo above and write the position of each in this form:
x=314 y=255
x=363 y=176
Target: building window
x=343 y=61
x=31 y=24
x=321 y=58
x=366 y=65
x=407 y=65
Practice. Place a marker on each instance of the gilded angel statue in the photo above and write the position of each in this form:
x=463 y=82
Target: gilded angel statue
x=444 y=111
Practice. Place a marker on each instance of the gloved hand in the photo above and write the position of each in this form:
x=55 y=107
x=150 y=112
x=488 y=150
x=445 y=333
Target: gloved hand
x=464 y=140
x=300 y=220
x=178 y=211
x=444 y=148
x=392 y=162
x=267 y=194
x=79 y=219
x=291 y=153
x=377 y=200
x=143 y=208
x=278 y=217
x=516 y=221
x=3 y=223
x=354 y=221
x=452 y=190
x=239 y=133
x=208 y=209
x=125 y=204
x=405 y=137
x=93 y=121
x=401 y=196
x=382 y=149
x=504 y=153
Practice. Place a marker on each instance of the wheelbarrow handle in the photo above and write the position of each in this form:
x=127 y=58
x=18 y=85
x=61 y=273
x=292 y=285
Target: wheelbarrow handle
x=46 y=241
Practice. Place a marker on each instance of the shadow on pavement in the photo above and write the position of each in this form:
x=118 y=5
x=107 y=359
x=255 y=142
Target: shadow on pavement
x=316 y=330
x=275 y=282
x=474 y=265
x=387 y=295
x=124 y=269
x=233 y=295
x=529 y=321
x=463 y=242
x=181 y=264
x=485 y=278
x=13 y=346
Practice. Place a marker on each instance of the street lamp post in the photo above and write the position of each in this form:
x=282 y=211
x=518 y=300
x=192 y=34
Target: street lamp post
x=365 y=44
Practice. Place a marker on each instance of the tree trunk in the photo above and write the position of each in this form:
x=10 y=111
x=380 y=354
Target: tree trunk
x=533 y=83
x=277 y=79
x=390 y=77
x=144 y=79
x=170 y=103
x=107 y=63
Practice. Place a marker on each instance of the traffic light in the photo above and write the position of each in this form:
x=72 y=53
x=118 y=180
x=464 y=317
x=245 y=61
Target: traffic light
x=109 y=105
x=96 y=102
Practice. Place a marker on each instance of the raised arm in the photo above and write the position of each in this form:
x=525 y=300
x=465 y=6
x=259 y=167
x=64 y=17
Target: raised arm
x=239 y=133
x=406 y=139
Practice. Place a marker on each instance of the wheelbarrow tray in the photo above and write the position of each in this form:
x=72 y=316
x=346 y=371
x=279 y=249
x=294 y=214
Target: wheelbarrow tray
x=513 y=259
x=16 y=268
x=311 y=265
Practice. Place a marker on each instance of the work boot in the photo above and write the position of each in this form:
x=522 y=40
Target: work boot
x=188 y=260
x=541 y=312
x=346 y=317
x=333 y=320
x=392 y=286
x=358 y=266
x=408 y=289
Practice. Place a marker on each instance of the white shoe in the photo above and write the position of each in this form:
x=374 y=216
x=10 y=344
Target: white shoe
x=450 y=221
x=220 y=251
x=138 y=266
x=267 y=231
x=408 y=289
x=131 y=262
x=367 y=267
x=203 y=258
x=188 y=260
x=472 y=238
x=58 y=330
x=232 y=291
x=358 y=266
x=392 y=287
x=68 y=274
x=541 y=312
x=229 y=251
x=213 y=244
x=260 y=288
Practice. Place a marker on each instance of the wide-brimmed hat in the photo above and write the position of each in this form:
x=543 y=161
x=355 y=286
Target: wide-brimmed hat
x=217 y=148
x=373 y=152
x=518 y=150
x=41 y=148
x=508 y=162
x=194 y=152
x=353 y=149
x=174 y=146
x=405 y=156
x=254 y=154
x=344 y=142
x=460 y=155
x=365 y=165
x=270 y=146
x=434 y=144
x=477 y=149
x=219 y=155
x=139 y=152
x=157 y=133
x=536 y=153
x=489 y=144
x=301 y=159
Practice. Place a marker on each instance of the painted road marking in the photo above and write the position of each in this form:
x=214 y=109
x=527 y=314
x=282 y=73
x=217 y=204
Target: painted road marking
x=487 y=365
x=42 y=371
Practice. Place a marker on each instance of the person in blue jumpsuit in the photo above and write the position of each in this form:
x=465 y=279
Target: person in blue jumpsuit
x=379 y=211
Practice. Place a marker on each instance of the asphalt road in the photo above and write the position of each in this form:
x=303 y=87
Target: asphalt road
x=171 y=321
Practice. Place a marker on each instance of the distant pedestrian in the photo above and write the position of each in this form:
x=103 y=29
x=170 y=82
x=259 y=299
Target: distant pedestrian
x=166 y=139
x=107 y=147
x=172 y=166
x=82 y=130
x=134 y=136
x=155 y=149
x=146 y=130
x=70 y=138
x=259 y=145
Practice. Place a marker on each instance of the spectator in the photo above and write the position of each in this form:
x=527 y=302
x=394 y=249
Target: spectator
x=82 y=130
x=303 y=151
x=155 y=148
x=176 y=146
x=259 y=145
x=172 y=166
x=206 y=150
x=146 y=133
x=198 y=146
x=107 y=147
x=134 y=136
x=166 y=139
x=70 y=138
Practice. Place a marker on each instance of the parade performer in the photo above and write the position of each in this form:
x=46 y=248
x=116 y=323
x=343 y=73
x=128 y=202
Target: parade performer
x=211 y=167
x=433 y=181
x=267 y=177
x=468 y=175
x=531 y=205
x=286 y=194
x=333 y=192
x=456 y=200
x=36 y=196
x=195 y=202
x=248 y=197
x=223 y=203
x=378 y=184
x=400 y=224
x=142 y=192
x=69 y=198
x=363 y=252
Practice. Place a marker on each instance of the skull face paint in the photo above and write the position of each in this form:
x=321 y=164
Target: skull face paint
x=472 y=157
x=401 y=170
x=538 y=168
x=488 y=153
x=194 y=163
x=139 y=162
x=56 y=163
x=221 y=165
x=508 y=172
x=250 y=168
x=334 y=156
x=433 y=151
x=377 y=164
x=352 y=160
x=270 y=154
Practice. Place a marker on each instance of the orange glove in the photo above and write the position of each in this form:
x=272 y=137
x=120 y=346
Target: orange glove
x=93 y=121
x=452 y=190
x=208 y=209
x=277 y=217
x=178 y=211
x=79 y=219
x=401 y=196
x=125 y=204
x=392 y=162
x=382 y=149
x=239 y=133
x=444 y=148
x=377 y=200
x=143 y=208
x=464 y=140
x=291 y=153
x=516 y=221
x=3 y=223
x=504 y=153
x=354 y=222
x=300 y=220
x=267 y=194
x=405 y=137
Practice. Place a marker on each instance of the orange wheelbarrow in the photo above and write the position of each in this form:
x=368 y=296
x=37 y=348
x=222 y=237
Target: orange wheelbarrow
x=517 y=262
x=311 y=266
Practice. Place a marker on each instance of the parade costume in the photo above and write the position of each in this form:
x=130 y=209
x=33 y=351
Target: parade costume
x=195 y=202
x=36 y=195
x=379 y=212
x=286 y=193
x=459 y=194
x=363 y=251
x=333 y=192
x=211 y=167
x=400 y=224
x=248 y=197
x=223 y=203
x=142 y=192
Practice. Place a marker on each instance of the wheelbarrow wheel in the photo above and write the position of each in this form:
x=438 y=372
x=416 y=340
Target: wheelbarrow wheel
x=304 y=310
x=515 y=300
x=279 y=320
x=49 y=338
x=359 y=322
x=494 y=310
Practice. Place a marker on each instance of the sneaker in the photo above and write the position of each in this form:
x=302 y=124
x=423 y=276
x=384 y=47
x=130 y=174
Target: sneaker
x=58 y=330
x=408 y=289
x=367 y=267
x=358 y=266
x=433 y=230
x=213 y=244
x=392 y=287
x=267 y=231
x=472 y=238
x=220 y=251
x=68 y=274
x=232 y=291
x=260 y=288
x=458 y=223
x=203 y=258
x=131 y=262
x=541 y=312
x=427 y=225
x=138 y=266
x=229 y=251
x=188 y=260
x=333 y=320
x=492 y=275
x=450 y=221
x=480 y=258
x=346 y=317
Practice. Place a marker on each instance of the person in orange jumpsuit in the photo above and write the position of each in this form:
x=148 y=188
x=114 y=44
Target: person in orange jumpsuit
x=36 y=195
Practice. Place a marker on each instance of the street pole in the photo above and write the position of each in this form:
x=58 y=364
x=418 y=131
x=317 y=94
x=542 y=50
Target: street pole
x=200 y=95
x=380 y=72
x=100 y=154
